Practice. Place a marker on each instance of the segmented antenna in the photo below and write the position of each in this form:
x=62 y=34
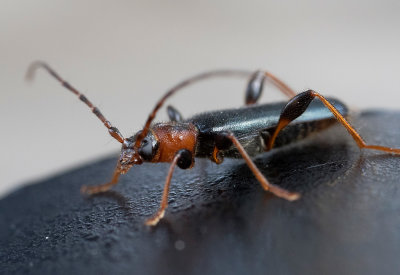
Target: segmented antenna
x=113 y=131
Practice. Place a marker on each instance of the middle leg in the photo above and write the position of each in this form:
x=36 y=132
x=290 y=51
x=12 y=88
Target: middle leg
x=226 y=138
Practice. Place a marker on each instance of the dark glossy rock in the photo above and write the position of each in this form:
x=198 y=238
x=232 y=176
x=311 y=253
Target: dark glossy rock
x=219 y=220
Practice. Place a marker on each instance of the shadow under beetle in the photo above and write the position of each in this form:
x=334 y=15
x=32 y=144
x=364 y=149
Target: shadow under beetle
x=235 y=133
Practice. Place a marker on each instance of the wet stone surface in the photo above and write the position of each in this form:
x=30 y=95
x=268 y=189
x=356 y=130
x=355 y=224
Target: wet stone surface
x=219 y=220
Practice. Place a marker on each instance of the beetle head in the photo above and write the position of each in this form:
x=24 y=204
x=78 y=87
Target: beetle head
x=131 y=154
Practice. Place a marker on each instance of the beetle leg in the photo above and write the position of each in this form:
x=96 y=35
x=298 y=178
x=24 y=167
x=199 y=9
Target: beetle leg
x=90 y=190
x=298 y=104
x=113 y=131
x=174 y=114
x=276 y=190
x=256 y=84
x=183 y=159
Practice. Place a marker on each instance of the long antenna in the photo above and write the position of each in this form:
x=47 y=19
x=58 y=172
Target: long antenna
x=113 y=131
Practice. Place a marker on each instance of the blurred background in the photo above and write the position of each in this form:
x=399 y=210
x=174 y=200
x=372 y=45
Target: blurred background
x=124 y=54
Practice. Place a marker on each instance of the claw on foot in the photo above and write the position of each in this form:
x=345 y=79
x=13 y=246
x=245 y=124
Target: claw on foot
x=90 y=190
x=282 y=193
x=156 y=218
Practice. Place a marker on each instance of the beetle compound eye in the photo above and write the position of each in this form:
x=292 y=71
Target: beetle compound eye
x=148 y=148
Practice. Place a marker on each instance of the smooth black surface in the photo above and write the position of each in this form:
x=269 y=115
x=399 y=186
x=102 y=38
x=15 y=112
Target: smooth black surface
x=219 y=221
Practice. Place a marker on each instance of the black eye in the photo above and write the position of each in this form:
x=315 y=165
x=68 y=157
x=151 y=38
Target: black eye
x=147 y=149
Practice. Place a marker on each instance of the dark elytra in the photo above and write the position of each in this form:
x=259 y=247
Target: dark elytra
x=246 y=124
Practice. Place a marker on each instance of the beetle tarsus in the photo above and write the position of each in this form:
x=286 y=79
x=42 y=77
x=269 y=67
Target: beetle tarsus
x=95 y=189
x=156 y=218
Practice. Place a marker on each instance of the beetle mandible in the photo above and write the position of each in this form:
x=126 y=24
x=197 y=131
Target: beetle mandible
x=236 y=133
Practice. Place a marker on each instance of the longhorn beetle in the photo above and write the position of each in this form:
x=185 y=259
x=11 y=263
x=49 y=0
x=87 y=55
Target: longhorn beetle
x=235 y=133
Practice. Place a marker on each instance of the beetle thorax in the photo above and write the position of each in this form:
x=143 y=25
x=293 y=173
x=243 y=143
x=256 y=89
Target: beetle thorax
x=173 y=137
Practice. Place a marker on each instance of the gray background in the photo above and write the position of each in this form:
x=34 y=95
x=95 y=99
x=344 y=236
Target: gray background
x=124 y=54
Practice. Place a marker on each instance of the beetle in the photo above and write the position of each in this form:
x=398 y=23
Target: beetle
x=235 y=133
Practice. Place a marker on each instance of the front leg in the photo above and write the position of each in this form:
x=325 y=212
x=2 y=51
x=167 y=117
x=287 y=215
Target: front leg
x=184 y=160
